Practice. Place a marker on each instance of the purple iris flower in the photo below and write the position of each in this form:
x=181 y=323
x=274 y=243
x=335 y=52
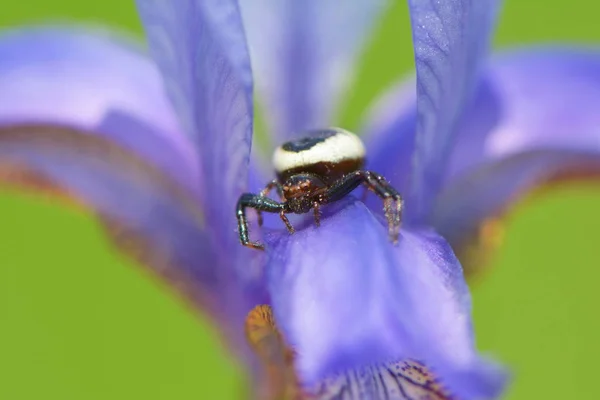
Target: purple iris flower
x=160 y=151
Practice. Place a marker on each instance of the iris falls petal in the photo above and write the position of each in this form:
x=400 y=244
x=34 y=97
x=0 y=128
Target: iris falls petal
x=161 y=220
x=345 y=298
x=302 y=53
x=97 y=82
x=533 y=120
x=200 y=48
x=450 y=40
x=531 y=99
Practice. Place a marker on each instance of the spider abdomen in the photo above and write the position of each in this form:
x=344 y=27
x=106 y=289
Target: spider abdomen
x=328 y=153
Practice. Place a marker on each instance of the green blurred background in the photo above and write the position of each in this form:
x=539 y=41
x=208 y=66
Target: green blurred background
x=78 y=321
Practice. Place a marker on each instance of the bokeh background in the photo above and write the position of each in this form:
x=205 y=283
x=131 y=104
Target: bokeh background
x=78 y=321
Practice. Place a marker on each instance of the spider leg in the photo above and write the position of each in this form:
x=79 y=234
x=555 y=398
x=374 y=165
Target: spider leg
x=274 y=184
x=286 y=221
x=259 y=203
x=317 y=213
x=392 y=201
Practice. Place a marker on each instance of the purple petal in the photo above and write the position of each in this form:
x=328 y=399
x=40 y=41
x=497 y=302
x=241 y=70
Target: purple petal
x=346 y=298
x=302 y=53
x=450 y=39
x=97 y=83
x=535 y=117
x=200 y=48
x=149 y=215
x=120 y=186
x=532 y=99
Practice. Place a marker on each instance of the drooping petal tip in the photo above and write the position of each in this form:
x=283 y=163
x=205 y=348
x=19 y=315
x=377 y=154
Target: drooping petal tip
x=119 y=186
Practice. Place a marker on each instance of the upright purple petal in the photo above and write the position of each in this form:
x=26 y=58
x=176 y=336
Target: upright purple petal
x=200 y=48
x=302 y=53
x=534 y=118
x=97 y=83
x=345 y=298
x=450 y=39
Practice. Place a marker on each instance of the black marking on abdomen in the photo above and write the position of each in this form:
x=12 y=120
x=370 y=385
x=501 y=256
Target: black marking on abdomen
x=328 y=172
x=313 y=138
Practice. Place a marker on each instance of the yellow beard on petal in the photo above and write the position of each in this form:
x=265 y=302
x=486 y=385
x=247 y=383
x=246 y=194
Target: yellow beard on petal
x=279 y=381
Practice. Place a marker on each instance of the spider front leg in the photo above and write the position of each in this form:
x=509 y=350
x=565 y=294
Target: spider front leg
x=259 y=203
x=392 y=201
x=274 y=184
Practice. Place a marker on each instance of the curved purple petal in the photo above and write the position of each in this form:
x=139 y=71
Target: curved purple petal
x=121 y=186
x=302 y=53
x=345 y=298
x=532 y=99
x=450 y=39
x=535 y=117
x=148 y=215
x=200 y=48
x=98 y=83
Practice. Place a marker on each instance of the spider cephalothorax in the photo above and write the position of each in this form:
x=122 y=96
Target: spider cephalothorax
x=318 y=169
